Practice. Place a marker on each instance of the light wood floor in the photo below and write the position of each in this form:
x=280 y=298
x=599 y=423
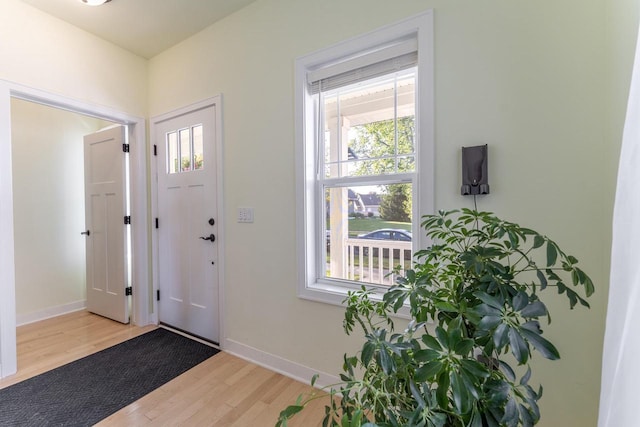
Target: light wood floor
x=222 y=391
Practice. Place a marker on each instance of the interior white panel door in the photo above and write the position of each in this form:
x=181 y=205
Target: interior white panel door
x=187 y=212
x=106 y=233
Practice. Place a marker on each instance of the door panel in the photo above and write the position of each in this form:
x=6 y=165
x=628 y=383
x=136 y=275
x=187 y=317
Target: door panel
x=105 y=208
x=187 y=272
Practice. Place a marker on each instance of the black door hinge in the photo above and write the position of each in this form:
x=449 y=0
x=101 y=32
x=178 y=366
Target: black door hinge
x=125 y=148
x=127 y=220
x=128 y=290
x=155 y=150
x=158 y=295
x=157 y=223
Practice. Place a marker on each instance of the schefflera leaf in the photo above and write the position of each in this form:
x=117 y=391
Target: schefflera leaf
x=531 y=332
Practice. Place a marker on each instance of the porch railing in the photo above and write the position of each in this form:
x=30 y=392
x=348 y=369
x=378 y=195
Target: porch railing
x=374 y=261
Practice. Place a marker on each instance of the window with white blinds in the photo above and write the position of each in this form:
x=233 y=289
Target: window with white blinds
x=364 y=165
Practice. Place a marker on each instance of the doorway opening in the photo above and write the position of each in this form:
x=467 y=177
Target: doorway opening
x=141 y=293
x=49 y=208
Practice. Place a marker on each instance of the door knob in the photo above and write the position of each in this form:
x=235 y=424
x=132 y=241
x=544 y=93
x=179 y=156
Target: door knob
x=86 y=233
x=211 y=237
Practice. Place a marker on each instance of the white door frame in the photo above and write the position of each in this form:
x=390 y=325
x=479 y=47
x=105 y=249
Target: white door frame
x=141 y=312
x=153 y=126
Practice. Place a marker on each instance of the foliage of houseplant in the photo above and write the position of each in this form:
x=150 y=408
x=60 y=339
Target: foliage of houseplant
x=474 y=302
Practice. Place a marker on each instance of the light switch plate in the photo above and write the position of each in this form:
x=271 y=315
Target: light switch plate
x=245 y=214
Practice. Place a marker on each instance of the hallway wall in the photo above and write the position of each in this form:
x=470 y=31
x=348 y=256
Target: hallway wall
x=48 y=188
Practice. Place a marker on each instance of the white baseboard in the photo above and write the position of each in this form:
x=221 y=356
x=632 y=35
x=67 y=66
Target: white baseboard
x=278 y=364
x=35 y=316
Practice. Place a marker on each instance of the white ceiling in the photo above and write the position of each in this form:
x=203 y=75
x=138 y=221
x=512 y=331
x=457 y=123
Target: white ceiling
x=144 y=27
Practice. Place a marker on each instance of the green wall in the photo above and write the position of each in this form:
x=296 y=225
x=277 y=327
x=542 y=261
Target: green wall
x=542 y=83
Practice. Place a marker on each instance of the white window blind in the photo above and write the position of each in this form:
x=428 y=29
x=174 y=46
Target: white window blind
x=391 y=58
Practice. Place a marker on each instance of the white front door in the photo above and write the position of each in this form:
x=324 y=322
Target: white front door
x=187 y=227
x=106 y=232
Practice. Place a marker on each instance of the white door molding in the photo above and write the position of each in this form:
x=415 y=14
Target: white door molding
x=139 y=212
x=8 y=359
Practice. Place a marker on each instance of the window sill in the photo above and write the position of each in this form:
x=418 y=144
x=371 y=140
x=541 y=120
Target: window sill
x=328 y=293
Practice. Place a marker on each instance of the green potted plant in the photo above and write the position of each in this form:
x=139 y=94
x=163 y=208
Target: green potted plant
x=473 y=299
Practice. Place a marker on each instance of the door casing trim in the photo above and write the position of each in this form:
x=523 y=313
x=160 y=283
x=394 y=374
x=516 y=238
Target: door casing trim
x=141 y=309
x=220 y=237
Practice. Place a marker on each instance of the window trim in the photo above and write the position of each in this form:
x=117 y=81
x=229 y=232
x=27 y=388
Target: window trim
x=419 y=27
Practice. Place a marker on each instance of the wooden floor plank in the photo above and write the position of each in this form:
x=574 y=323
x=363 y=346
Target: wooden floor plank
x=222 y=391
